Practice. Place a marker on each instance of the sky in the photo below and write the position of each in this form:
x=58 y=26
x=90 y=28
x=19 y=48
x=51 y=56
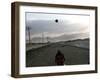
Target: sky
x=68 y=24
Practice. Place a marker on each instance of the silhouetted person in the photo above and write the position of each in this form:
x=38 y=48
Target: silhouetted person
x=59 y=58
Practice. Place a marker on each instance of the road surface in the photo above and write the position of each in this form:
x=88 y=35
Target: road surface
x=45 y=56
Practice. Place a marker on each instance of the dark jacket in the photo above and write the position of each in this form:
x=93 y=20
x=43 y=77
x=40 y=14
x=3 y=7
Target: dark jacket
x=59 y=58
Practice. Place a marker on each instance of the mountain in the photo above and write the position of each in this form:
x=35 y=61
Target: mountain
x=65 y=37
x=83 y=43
x=71 y=37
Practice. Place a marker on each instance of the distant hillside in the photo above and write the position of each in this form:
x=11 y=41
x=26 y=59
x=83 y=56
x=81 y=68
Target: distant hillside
x=84 y=43
x=65 y=37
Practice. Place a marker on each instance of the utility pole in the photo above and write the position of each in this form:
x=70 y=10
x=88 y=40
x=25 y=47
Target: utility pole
x=29 y=38
x=47 y=39
x=42 y=37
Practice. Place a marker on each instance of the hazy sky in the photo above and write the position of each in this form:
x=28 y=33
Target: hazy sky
x=43 y=23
